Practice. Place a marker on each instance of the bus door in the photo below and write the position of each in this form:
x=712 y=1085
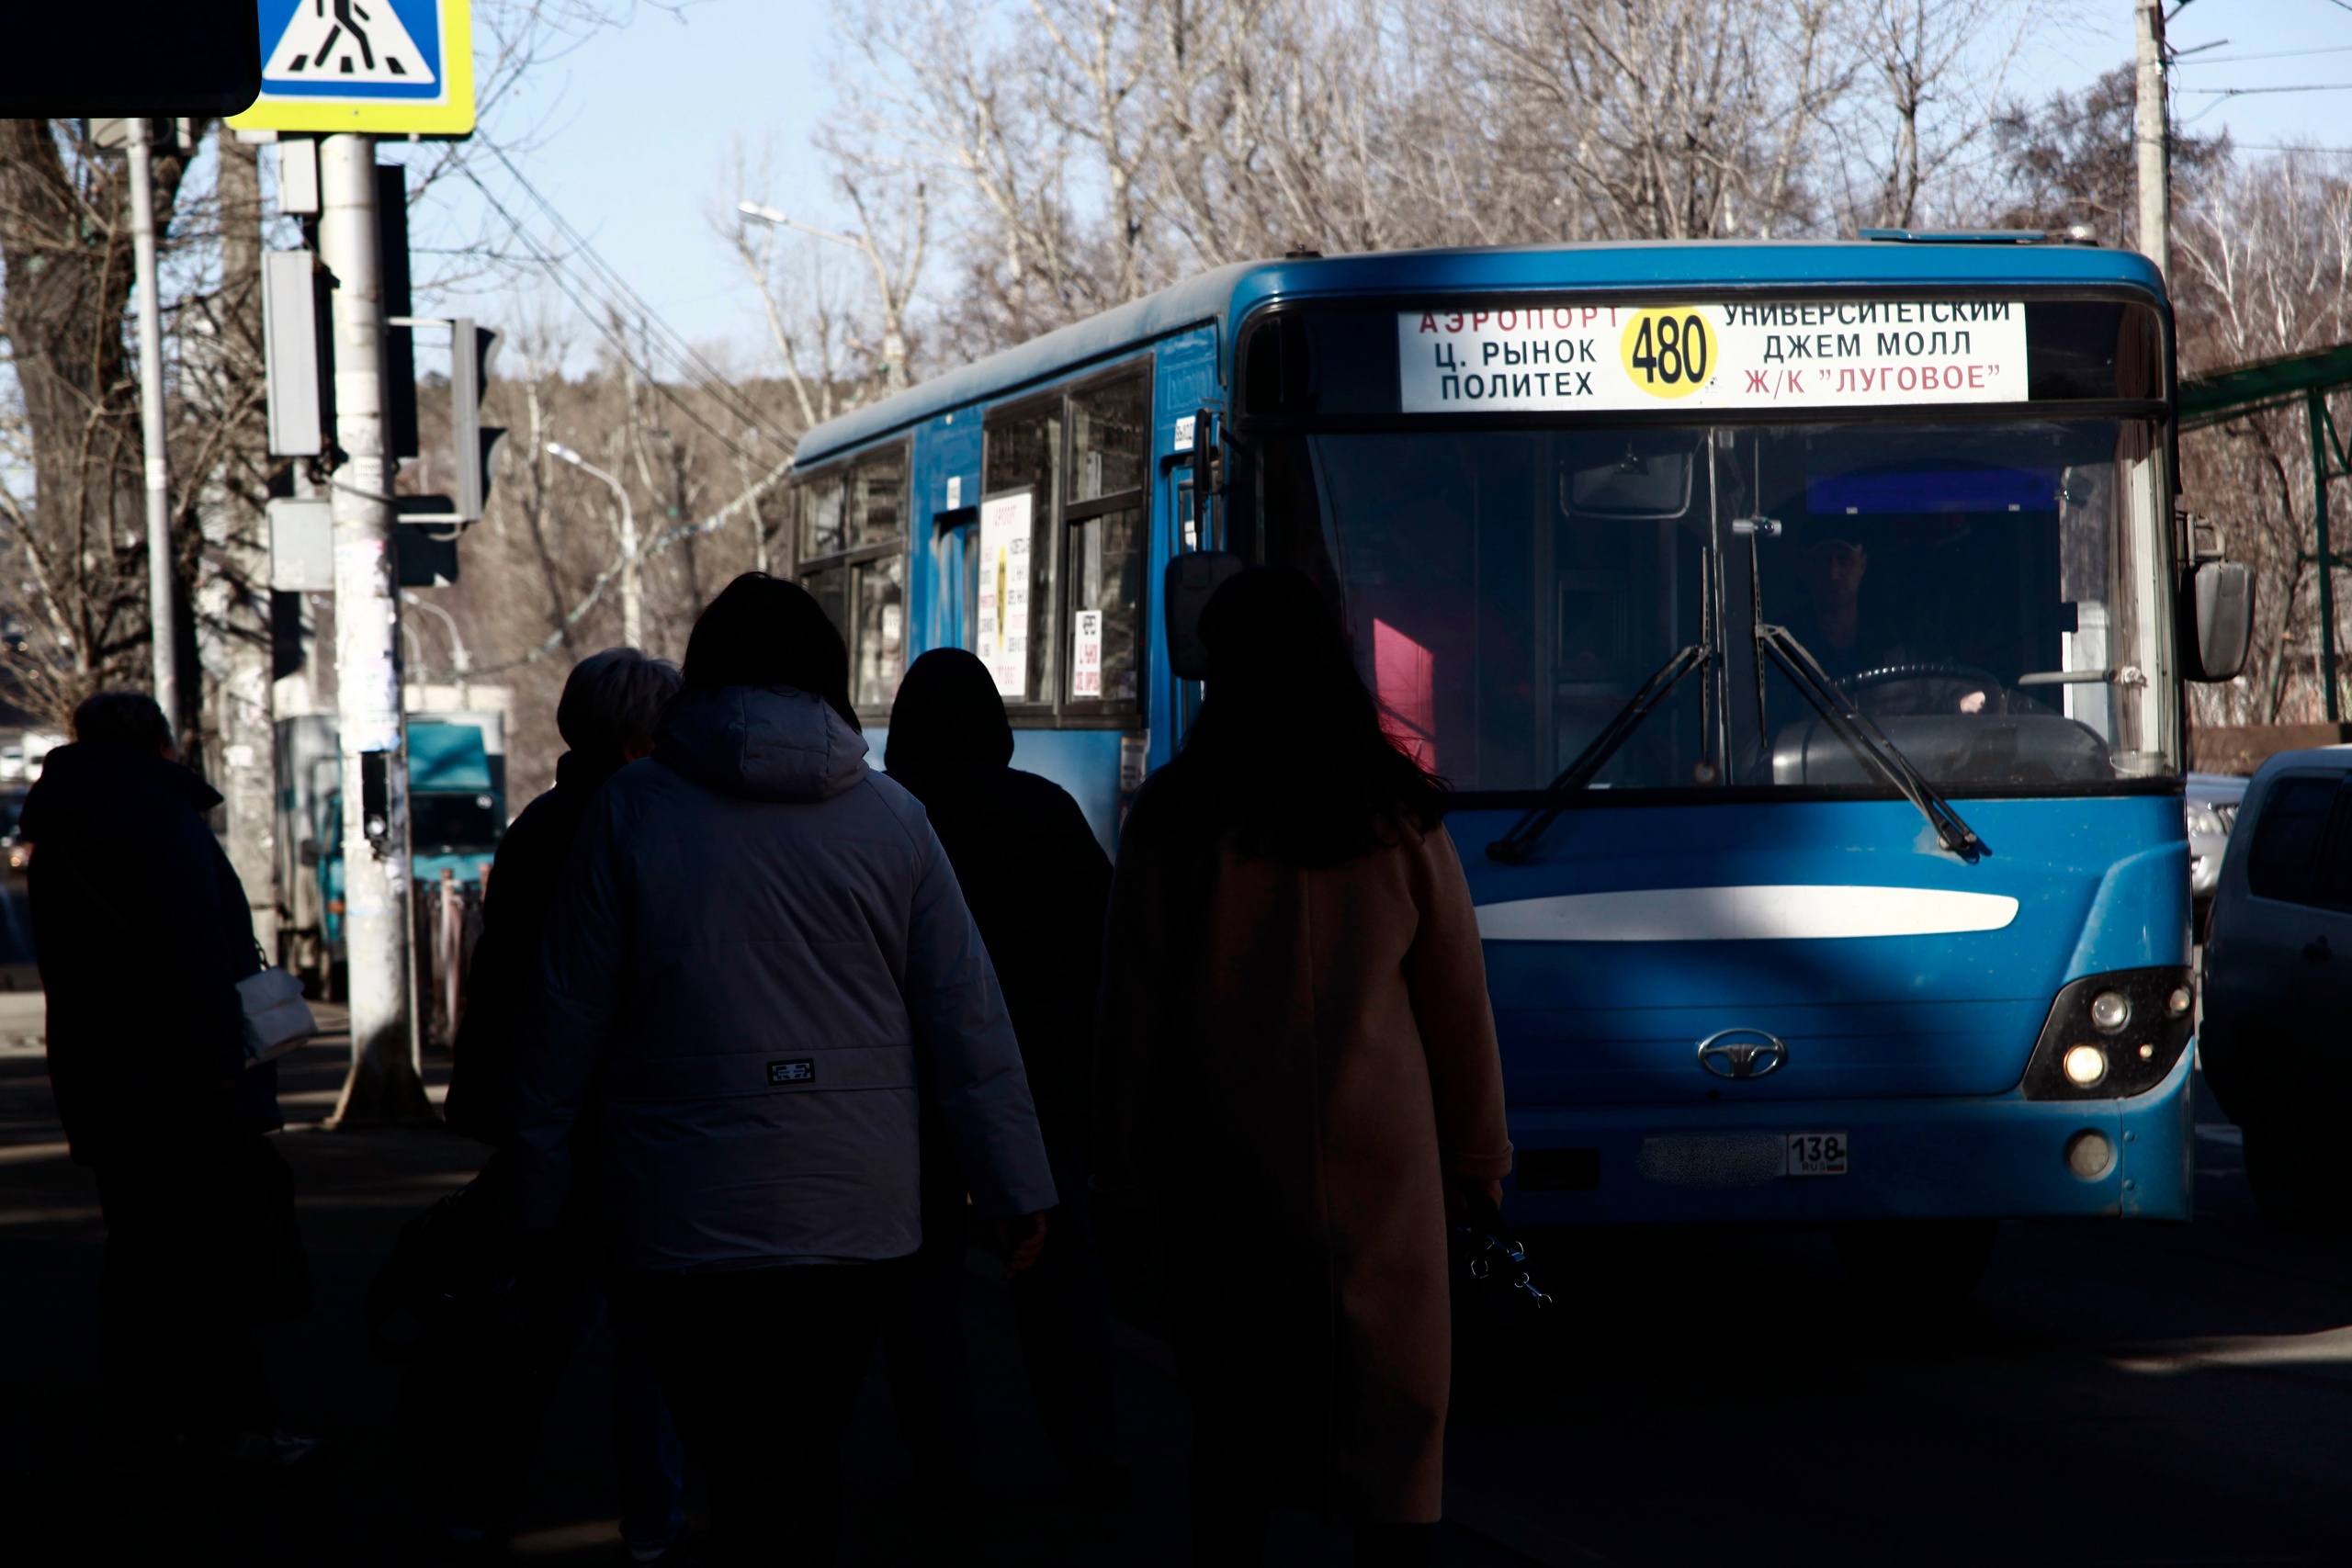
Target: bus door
x=1193 y=523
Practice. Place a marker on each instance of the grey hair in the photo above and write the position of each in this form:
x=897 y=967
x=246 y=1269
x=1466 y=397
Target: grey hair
x=612 y=700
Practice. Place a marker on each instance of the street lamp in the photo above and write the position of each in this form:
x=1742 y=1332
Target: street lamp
x=460 y=661
x=632 y=614
x=894 y=334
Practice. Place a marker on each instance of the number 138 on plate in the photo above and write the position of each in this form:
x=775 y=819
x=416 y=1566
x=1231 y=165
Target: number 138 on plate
x=1817 y=1154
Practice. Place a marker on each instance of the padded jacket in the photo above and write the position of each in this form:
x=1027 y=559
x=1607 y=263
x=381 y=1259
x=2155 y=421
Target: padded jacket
x=757 y=958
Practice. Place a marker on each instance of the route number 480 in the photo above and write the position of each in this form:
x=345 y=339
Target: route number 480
x=1669 y=353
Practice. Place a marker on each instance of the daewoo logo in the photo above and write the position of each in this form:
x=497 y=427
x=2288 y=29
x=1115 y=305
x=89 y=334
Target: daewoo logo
x=1743 y=1053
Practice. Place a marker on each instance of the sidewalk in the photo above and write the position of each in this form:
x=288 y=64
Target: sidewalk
x=361 y=1500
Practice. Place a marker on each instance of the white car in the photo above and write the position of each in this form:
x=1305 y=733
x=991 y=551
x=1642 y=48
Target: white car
x=2211 y=804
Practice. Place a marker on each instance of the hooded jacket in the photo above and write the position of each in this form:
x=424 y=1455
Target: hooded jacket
x=757 y=958
x=1034 y=876
x=506 y=965
x=142 y=931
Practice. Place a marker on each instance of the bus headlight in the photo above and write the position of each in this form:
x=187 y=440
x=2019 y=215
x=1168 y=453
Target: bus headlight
x=2111 y=1036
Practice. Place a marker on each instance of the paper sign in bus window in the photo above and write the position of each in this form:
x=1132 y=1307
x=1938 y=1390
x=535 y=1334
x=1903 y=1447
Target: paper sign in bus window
x=1086 y=670
x=1001 y=639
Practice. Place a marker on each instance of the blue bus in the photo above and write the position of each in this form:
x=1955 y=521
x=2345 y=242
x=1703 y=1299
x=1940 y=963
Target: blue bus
x=1803 y=627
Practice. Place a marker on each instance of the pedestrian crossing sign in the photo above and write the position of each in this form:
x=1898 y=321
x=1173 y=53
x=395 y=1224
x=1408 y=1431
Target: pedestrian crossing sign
x=379 y=66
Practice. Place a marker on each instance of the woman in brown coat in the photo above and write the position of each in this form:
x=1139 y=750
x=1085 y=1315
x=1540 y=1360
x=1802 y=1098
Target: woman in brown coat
x=1297 y=1067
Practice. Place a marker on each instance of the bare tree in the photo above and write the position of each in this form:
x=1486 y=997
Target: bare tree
x=2262 y=267
x=1660 y=114
x=65 y=245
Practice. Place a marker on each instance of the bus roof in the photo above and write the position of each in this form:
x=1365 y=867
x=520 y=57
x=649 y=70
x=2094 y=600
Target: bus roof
x=1228 y=293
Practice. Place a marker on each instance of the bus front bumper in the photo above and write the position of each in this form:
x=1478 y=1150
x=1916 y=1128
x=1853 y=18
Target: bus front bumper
x=1730 y=1164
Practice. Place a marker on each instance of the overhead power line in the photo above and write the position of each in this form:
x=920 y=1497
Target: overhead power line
x=2274 y=54
x=622 y=300
x=620 y=288
x=2247 y=92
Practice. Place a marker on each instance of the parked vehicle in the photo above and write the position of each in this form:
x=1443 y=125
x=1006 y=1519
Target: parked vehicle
x=2210 y=805
x=2278 y=982
x=457 y=767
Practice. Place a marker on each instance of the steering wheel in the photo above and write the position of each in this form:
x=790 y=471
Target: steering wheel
x=1995 y=695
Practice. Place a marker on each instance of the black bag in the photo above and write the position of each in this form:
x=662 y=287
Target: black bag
x=451 y=1261
x=1500 y=1306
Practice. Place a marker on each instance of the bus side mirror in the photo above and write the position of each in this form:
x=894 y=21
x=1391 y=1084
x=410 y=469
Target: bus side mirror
x=2224 y=593
x=1190 y=579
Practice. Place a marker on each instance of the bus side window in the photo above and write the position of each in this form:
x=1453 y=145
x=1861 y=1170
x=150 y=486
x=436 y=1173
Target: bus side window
x=1011 y=615
x=852 y=555
x=1110 y=452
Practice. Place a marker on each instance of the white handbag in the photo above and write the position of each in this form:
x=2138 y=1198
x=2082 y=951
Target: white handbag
x=276 y=1018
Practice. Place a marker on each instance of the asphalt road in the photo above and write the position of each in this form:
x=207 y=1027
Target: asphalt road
x=2113 y=1395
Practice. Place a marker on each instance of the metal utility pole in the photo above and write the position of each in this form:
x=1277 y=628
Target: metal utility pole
x=2153 y=138
x=385 y=1084
x=161 y=618
x=632 y=608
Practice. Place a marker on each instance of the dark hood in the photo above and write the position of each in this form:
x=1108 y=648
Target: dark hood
x=761 y=743
x=948 y=714
x=93 y=774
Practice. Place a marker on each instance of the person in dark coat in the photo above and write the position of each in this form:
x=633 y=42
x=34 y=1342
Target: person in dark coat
x=1038 y=885
x=1299 y=1067
x=759 y=965
x=143 y=932
x=476 y=1396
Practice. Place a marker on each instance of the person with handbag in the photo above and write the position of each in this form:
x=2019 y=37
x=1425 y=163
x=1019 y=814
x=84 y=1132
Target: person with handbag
x=1297 y=1067
x=143 y=934
x=476 y=1390
x=1038 y=885
x=760 y=965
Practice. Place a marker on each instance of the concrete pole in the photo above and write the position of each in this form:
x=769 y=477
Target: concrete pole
x=2153 y=139
x=161 y=618
x=386 y=1084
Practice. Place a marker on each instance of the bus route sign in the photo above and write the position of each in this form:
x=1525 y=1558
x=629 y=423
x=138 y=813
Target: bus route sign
x=1794 y=354
x=397 y=67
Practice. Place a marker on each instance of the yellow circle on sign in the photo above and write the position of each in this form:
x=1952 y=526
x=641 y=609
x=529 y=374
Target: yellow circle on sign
x=1670 y=350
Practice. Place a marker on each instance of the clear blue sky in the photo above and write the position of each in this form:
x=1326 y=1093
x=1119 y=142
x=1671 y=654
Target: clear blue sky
x=635 y=123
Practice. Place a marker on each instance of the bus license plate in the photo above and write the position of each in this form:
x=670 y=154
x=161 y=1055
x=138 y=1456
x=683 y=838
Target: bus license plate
x=1817 y=1154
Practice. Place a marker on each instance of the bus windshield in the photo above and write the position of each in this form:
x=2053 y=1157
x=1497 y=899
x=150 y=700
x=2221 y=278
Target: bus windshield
x=1996 y=596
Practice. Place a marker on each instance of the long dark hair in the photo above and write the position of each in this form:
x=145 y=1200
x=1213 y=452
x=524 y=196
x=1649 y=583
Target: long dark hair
x=763 y=631
x=1288 y=759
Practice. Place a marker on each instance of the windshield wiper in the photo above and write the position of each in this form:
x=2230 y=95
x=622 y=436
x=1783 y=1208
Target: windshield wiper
x=1850 y=723
x=1529 y=830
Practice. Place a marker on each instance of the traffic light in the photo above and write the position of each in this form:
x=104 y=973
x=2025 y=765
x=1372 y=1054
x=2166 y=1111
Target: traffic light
x=471 y=443
x=470 y=348
x=400 y=340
